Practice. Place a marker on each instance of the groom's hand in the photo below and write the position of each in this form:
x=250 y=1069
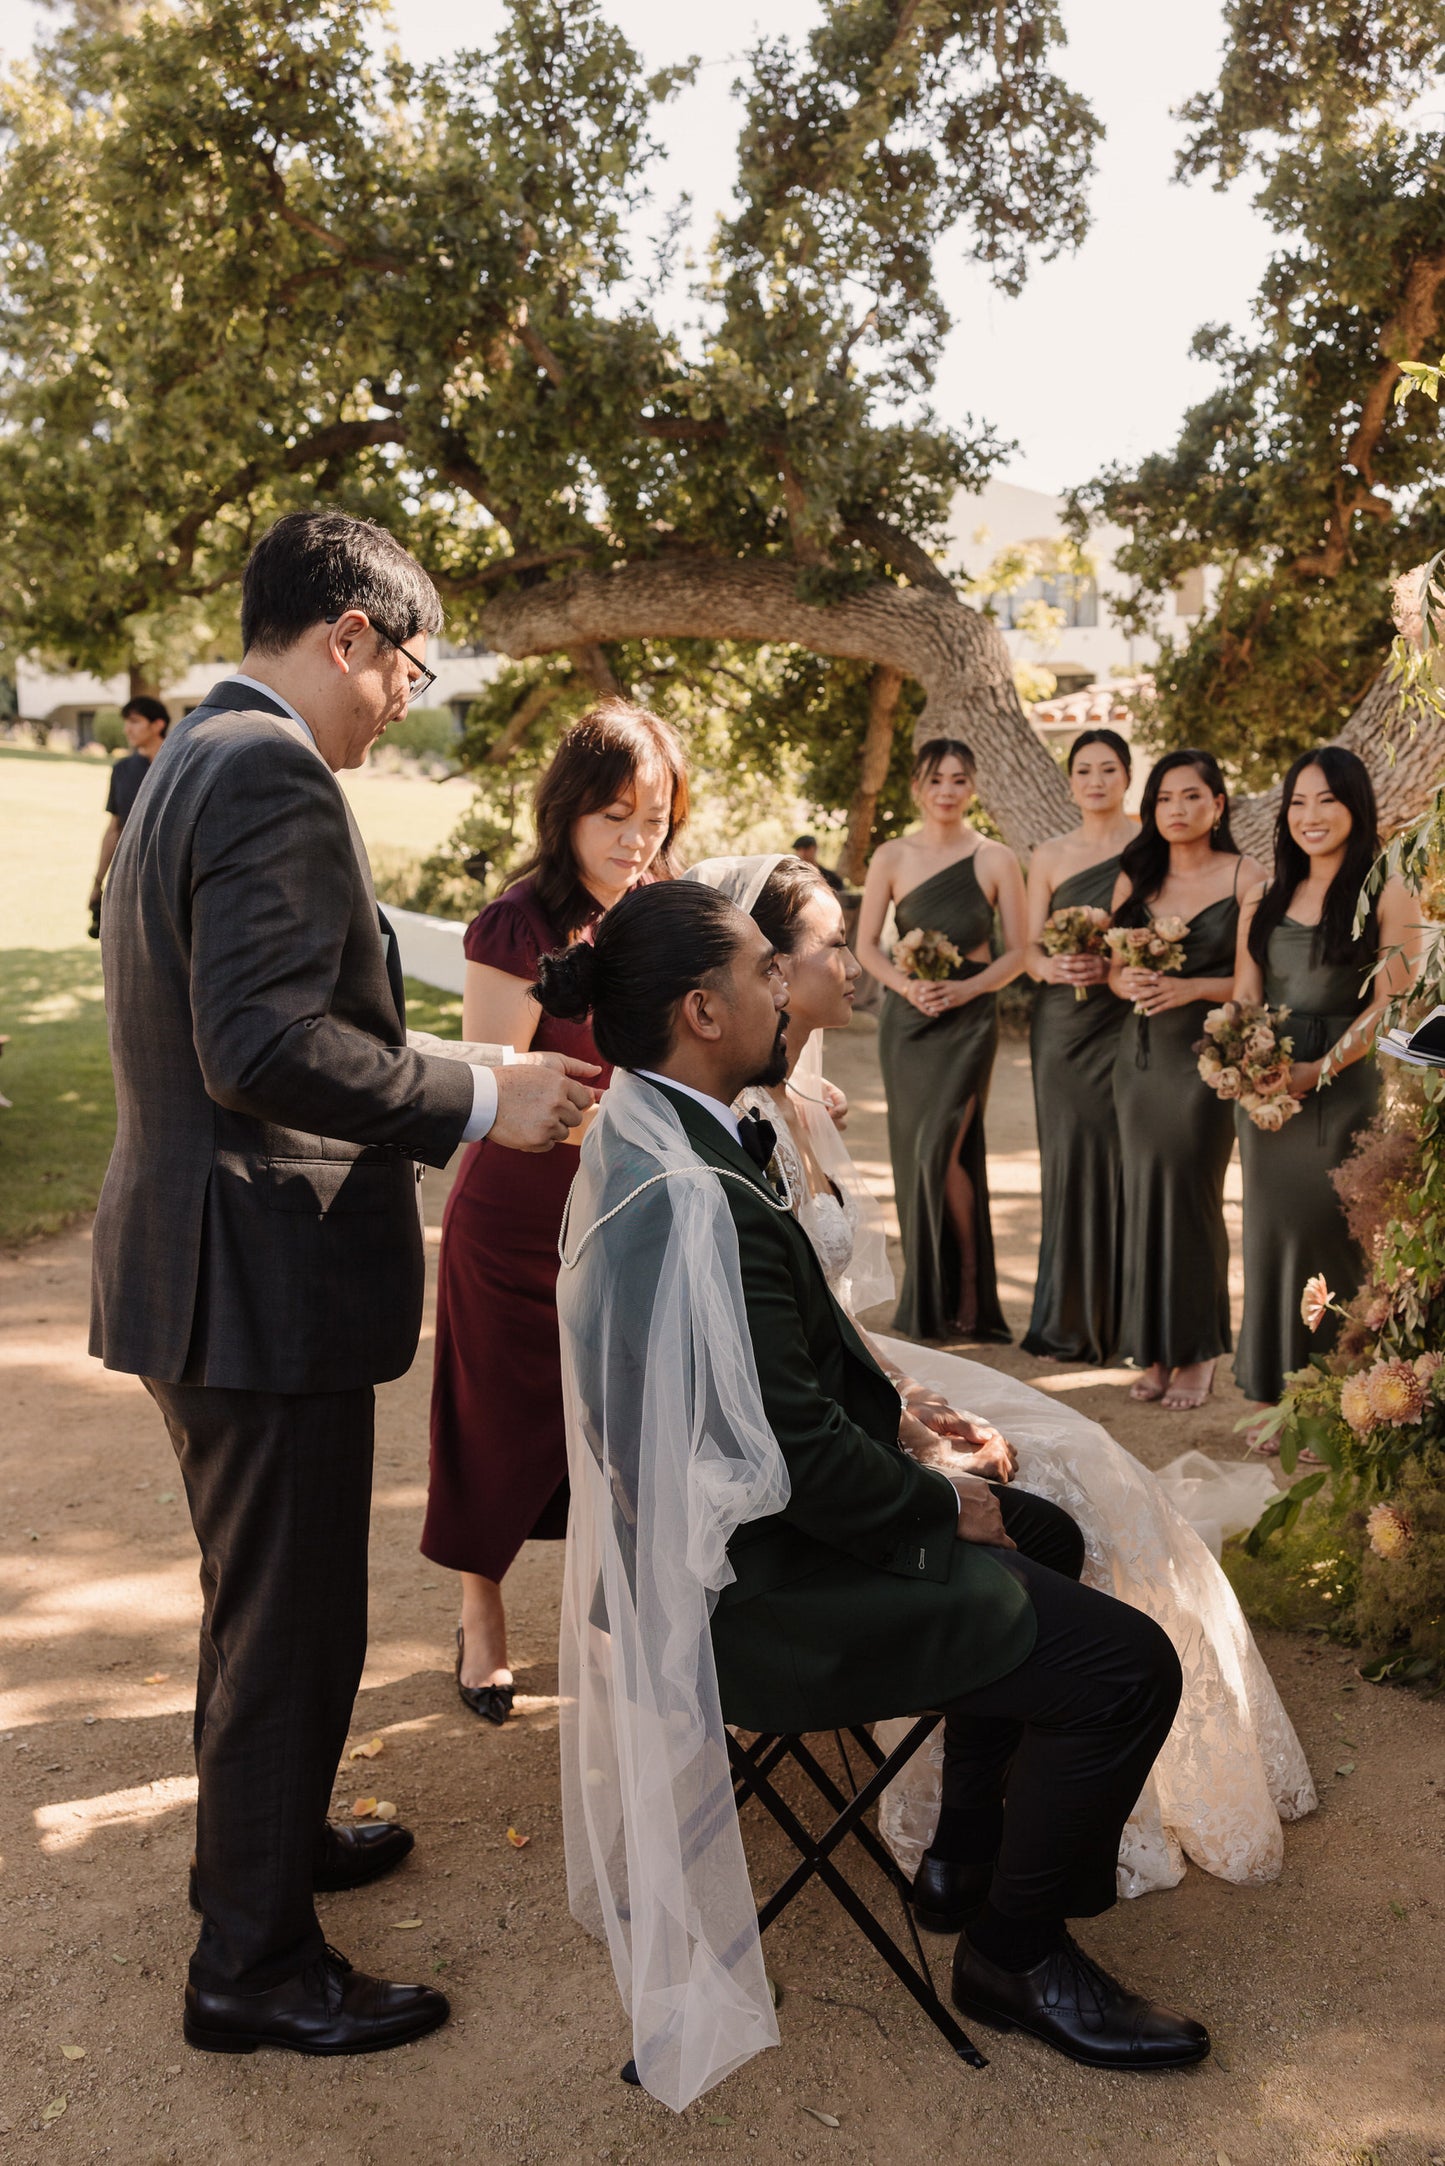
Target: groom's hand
x=540 y=1096
x=979 y=1517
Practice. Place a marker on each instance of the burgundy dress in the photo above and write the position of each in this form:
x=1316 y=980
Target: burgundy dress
x=498 y=1441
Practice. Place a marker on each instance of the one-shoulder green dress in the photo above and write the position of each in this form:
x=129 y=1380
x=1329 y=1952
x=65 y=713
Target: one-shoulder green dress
x=1294 y=1224
x=934 y=1067
x=1175 y=1138
x=1073 y=1044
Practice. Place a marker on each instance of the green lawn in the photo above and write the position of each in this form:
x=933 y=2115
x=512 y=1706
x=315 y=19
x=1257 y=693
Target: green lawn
x=55 y=1141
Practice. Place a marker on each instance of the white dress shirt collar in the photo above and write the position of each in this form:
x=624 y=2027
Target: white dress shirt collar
x=714 y=1106
x=254 y=684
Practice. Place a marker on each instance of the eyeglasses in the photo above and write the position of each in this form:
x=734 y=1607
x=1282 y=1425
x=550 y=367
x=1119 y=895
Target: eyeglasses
x=425 y=678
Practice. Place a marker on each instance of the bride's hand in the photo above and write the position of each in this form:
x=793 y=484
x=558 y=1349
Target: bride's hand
x=836 y=1102
x=996 y=1460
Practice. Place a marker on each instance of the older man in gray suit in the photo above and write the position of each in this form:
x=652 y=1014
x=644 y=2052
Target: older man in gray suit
x=258 y=1248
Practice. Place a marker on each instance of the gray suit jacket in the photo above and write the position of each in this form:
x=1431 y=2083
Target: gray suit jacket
x=258 y=1227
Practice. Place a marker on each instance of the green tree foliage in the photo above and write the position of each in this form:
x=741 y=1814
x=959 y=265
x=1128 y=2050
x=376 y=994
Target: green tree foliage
x=1298 y=480
x=247 y=266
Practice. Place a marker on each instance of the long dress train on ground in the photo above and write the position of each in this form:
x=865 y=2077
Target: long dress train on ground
x=935 y=1069
x=1232 y=1769
x=1175 y=1138
x=1294 y=1223
x=1072 y=1047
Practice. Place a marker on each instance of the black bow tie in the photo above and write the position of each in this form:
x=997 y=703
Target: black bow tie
x=758 y=1138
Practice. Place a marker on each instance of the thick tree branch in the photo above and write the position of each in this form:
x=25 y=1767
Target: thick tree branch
x=533 y=703
x=956 y=654
x=901 y=553
x=1404 y=784
x=589 y=659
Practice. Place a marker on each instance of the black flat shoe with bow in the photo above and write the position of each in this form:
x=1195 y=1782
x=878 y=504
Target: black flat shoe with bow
x=492 y=1702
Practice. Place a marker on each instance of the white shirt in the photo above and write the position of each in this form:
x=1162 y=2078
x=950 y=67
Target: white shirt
x=714 y=1106
x=484 y=1080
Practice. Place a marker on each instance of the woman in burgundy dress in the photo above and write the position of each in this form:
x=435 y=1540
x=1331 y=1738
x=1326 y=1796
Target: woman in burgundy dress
x=608 y=811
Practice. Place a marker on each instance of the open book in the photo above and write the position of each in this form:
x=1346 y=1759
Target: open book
x=1423 y=1047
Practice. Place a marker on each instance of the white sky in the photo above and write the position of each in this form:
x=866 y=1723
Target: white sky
x=1091 y=363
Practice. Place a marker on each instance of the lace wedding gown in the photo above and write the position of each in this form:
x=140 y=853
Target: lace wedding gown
x=1232 y=1769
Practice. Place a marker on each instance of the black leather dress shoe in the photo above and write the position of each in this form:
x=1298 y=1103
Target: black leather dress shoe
x=492 y=1702
x=348 y=1857
x=948 y=1891
x=329 y=2009
x=1074 y=2006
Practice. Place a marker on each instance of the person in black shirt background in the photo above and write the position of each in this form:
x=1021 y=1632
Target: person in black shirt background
x=145 y=722
x=806 y=847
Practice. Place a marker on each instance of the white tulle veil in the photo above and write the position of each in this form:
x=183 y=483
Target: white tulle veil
x=668 y=1451
x=869 y=1277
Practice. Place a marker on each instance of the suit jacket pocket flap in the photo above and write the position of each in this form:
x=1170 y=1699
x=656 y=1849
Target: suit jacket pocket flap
x=318 y=1187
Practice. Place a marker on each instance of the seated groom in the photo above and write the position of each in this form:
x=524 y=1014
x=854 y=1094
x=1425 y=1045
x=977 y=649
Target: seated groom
x=717 y=1391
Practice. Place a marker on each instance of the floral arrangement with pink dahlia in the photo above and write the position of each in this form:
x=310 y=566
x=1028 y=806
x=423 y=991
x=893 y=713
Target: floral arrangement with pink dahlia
x=1077 y=929
x=922 y=954
x=1159 y=945
x=1245 y=1055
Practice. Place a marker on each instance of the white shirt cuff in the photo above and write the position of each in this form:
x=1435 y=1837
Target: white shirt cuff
x=484 y=1105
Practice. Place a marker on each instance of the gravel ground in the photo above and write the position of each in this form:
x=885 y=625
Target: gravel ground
x=1324 y=1992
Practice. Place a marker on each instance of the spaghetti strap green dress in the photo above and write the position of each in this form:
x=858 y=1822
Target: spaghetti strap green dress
x=934 y=1068
x=1294 y=1223
x=1175 y=1138
x=1072 y=1046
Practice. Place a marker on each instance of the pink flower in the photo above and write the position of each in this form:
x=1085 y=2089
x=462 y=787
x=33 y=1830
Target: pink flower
x=1355 y=1407
x=1427 y=1364
x=1315 y=1301
x=1260 y=1041
x=1396 y=1392
x=1271 y=1081
x=1229 y=1082
x=1269 y=1114
x=1389 y=1530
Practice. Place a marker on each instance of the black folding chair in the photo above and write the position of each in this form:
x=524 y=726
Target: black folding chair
x=753 y=1768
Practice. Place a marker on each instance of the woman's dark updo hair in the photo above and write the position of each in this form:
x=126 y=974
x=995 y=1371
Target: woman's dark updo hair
x=1111 y=738
x=596 y=762
x=1145 y=860
x=656 y=945
x=786 y=894
x=931 y=756
x=1334 y=942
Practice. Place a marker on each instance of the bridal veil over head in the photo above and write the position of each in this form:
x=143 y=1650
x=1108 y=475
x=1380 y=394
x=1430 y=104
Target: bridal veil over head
x=869 y=1276
x=668 y=1451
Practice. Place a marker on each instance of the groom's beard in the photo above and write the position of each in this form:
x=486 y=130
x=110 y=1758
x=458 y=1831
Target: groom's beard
x=777 y=1069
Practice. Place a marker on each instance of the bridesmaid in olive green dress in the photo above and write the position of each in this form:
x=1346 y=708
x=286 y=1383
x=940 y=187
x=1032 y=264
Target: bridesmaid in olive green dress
x=936 y=1044
x=1175 y=1136
x=1072 y=1043
x=1297 y=950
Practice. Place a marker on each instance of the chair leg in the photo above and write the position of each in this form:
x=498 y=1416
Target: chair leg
x=815 y=1859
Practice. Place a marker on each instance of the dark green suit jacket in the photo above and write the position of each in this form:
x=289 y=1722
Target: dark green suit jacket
x=857 y=1600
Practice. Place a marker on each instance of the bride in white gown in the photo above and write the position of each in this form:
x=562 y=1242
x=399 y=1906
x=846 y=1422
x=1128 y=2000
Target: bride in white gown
x=1232 y=1769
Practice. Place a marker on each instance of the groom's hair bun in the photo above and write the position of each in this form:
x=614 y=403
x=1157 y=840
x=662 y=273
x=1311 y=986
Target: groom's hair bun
x=648 y=951
x=565 y=982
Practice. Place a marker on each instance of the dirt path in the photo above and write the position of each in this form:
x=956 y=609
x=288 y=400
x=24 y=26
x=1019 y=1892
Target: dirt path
x=1324 y=1991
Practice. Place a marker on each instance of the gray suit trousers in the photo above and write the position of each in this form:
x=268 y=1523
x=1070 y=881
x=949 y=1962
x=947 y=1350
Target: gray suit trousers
x=279 y=1486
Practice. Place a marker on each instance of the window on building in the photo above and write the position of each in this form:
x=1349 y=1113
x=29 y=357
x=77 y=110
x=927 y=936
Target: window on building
x=1077 y=596
x=84 y=727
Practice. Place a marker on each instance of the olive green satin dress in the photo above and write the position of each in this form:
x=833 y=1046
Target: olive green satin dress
x=1175 y=1138
x=934 y=1067
x=1293 y=1221
x=1073 y=1044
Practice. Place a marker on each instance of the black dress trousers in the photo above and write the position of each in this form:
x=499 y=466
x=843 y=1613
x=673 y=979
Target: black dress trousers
x=279 y=1486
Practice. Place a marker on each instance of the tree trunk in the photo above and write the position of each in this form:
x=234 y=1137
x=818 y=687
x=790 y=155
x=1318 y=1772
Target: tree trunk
x=957 y=655
x=1404 y=767
x=884 y=687
x=143 y=684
